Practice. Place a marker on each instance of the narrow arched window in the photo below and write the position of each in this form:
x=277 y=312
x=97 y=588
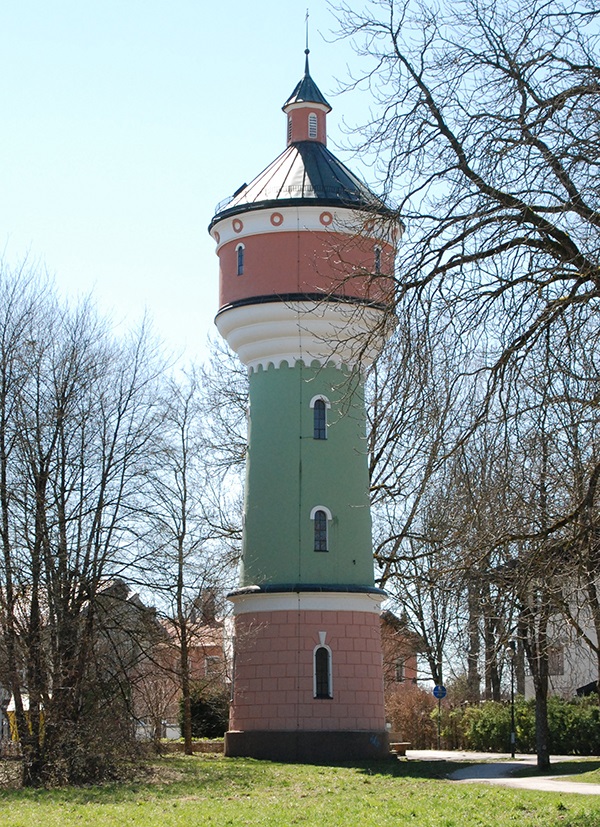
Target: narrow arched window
x=378 y=260
x=321 y=516
x=240 y=259
x=319 y=404
x=320 y=420
x=289 y=129
x=320 y=521
x=322 y=679
x=312 y=125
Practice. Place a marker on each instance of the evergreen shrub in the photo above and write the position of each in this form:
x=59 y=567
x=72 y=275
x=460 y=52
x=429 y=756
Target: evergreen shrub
x=210 y=713
x=574 y=726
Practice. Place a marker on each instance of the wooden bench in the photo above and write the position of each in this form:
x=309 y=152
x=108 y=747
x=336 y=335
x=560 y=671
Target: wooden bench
x=399 y=747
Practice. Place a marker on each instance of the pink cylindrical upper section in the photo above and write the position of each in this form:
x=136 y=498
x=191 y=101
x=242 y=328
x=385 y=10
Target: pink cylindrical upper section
x=305 y=262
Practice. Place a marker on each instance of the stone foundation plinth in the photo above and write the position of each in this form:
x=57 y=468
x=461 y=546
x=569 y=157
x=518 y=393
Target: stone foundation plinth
x=307 y=747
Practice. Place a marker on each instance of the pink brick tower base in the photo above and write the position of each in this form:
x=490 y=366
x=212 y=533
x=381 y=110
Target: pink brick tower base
x=275 y=713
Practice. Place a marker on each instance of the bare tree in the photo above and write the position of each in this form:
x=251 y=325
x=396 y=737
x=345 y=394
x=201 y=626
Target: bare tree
x=418 y=405
x=486 y=127
x=78 y=417
x=21 y=299
x=186 y=510
x=485 y=130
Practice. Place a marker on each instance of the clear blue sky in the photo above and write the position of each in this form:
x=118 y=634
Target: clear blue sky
x=126 y=121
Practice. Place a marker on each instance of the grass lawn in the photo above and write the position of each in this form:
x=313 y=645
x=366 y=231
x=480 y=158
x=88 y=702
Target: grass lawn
x=579 y=769
x=209 y=790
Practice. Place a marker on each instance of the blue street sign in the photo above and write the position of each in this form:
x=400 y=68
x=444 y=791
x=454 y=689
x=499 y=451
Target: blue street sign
x=439 y=692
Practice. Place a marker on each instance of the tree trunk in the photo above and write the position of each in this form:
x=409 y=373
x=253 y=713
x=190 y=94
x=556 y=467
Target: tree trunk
x=535 y=625
x=186 y=701
x=473 y=676
x=542 y=731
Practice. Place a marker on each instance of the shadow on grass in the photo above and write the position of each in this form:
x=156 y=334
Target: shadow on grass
x=167 y=777
x=408 y=768
x=204 y=777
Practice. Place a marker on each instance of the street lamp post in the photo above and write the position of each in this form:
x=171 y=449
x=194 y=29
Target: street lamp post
x=511 y=651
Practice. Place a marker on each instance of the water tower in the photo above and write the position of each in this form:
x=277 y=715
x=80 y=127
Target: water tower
x=305 y=251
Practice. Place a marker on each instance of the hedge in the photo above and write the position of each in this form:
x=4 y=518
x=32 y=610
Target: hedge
x=574 y=726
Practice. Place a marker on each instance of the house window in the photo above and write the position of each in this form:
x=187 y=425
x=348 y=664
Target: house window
x=377 y=261
x=322 y=672
x=240 y=259
x=212 y=666
x=312 y=125
x=556 y=661
x=289 y=127
x=319 y=404
x=399 y=670
x=320 y=517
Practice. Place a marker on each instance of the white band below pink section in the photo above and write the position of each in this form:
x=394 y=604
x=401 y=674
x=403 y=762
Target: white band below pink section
x=271 y=333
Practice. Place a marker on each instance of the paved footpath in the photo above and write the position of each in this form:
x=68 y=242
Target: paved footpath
x=498 y=769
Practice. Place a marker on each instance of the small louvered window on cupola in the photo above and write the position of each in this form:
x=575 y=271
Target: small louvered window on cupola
x=312 y=125
x=289 y=137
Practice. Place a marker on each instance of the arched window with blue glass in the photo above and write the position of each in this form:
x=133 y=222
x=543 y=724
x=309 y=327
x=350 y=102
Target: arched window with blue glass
x=319 y=405
x=321 y=516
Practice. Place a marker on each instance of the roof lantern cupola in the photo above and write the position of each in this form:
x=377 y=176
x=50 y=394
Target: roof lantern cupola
x=306 y=110
x=306 y=172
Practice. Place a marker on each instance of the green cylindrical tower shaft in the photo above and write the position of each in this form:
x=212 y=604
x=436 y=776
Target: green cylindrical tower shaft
x=297 y=473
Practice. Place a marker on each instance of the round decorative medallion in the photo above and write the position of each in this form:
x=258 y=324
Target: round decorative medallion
x=276 y=219
x=326 y=218
x=217 y=237
x=237 y=225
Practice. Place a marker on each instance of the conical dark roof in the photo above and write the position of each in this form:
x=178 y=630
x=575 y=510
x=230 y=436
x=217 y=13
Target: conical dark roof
x=306 y=91
x=305 y=173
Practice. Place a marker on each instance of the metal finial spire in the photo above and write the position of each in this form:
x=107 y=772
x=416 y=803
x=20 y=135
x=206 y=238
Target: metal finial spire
x=307 y=50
